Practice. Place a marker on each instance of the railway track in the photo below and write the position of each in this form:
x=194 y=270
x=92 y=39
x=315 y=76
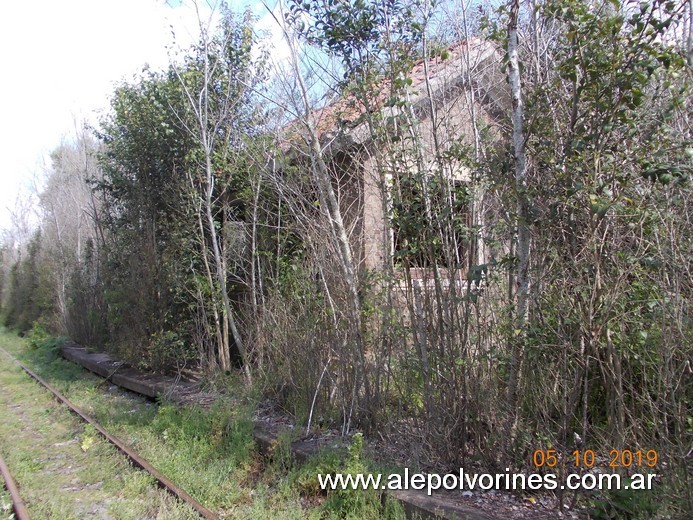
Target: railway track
x=165 y=483
x=20 y=511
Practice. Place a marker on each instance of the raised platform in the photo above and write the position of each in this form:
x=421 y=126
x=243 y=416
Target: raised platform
x=416 y=503
x=175 y=389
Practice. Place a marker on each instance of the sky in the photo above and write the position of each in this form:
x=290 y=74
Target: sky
x=60 y=61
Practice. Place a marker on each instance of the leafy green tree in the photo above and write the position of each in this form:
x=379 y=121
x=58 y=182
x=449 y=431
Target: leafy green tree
x=144 y=191
x=176 y=175
x=218 y=115
x=30 y=296
x=608 y=129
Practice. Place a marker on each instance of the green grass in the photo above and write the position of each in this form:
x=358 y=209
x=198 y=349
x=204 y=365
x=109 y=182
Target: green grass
x=59 y=475
x=5 y=505
x=209 y=453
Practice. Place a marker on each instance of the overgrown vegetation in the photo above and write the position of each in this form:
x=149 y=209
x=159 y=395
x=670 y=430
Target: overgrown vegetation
x=65 y=470
x=477 y=266
x=209 y=452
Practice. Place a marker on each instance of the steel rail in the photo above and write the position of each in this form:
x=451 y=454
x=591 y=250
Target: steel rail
x=20 y=510
x=138 y=461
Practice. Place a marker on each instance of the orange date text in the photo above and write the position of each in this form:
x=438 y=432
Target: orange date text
x=550 y=458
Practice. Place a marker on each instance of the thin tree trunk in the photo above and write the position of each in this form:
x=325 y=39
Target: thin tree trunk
x=229 y=323
x=522 y=219
x=321 y=174
x=210 y=280
x=204 y=132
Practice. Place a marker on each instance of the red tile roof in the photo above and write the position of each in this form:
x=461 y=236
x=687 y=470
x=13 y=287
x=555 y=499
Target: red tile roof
x=347 y=112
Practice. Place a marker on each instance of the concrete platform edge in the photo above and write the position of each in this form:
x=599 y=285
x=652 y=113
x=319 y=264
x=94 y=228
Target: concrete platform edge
x=416 y=504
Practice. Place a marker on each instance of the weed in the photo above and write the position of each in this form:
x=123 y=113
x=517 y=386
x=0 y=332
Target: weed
x=64 y=469
x=344 y=503
x=40 y=339
x=624 y=504
x=209 y=453
x=6 y=512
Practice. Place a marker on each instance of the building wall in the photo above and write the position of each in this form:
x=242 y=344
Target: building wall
x=467 y=86
x=450 y=129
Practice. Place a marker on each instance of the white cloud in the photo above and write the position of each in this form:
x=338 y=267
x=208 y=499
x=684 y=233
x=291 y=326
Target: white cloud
x=268 y=26
x=60 y=63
